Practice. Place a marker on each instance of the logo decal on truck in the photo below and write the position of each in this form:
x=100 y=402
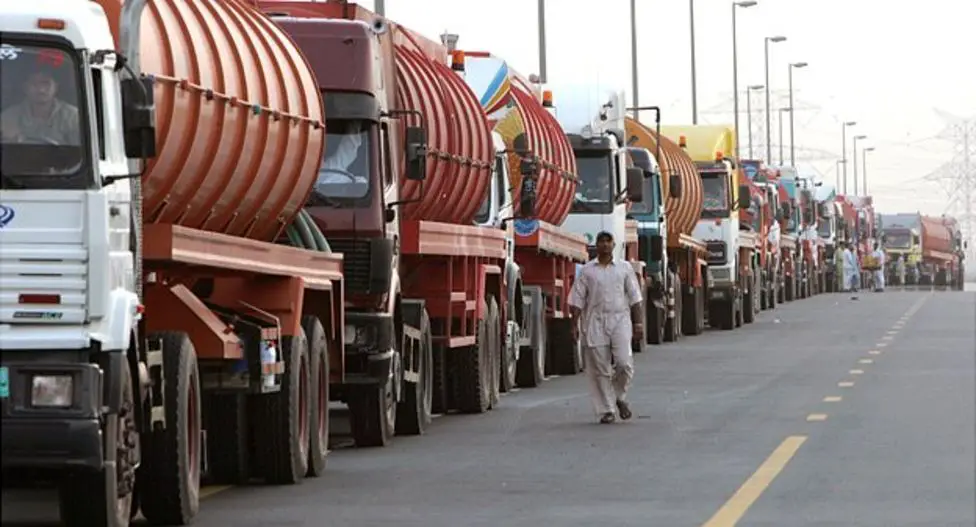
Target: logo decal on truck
x=6 y=215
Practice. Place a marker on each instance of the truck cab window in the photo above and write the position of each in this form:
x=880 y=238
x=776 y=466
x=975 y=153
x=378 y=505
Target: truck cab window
x=716 y=195
x=347 y=161
x=387 y=158
x=99 y=109
x=41 y=126
x=596 y=189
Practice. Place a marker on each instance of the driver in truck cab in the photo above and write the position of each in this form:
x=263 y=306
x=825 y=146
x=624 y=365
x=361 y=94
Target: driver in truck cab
x=41 y=117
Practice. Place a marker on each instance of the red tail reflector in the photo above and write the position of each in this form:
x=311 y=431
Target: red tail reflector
x=39 y=299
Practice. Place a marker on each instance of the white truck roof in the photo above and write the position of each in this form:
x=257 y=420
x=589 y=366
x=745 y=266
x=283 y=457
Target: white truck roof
x=86 y=26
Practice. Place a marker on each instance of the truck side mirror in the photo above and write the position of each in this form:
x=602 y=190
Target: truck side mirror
x=745 y=197
x=657 y=248
x=635 y=184
x=527 y=195
x=416 y=150
x=674 y=186
x=138 y=118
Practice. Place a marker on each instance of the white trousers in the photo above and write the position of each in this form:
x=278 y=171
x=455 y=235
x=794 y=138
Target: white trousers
x=609 y=370
x=879 y=279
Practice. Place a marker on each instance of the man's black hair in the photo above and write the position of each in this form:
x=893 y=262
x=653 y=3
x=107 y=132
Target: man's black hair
x=604 y=235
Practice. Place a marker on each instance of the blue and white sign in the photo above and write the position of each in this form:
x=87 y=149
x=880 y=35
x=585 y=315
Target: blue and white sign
x=6 y=215
x=525 y=227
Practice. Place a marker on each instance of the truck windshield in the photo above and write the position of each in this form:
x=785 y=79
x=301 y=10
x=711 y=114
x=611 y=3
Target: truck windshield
x=345 y=170
x=823 y=228
x=897 y=240
x=42 y=144
x=595 y=192
x=716 y=195
x=755 y=214
x=652 y=197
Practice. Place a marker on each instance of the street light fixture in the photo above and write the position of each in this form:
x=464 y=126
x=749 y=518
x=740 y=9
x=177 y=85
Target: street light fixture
x=856 y=139
x=843 y=143
x=749 y=91
x=769 y=133
x=735 y=75
x=792 y=128
x=864 y=166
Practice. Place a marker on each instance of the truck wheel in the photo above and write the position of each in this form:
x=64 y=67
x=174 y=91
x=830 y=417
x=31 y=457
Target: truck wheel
x=282 y=427
x=531 y=367
x=740 y=310
x=416 y=407
x=318 y=350
x=472 y=377
x=673 y=324
x=725 y=314
x=96 y=499
x=566 y=355
x=749 y=307
x=170 y=472
x=654 y=324
x=789 y=290
x=693 y=312
x=494 y=340
x=510 y=355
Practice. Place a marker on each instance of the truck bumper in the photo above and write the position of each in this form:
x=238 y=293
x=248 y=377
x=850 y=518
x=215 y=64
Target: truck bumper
x=369 y=347
x=722 y=291
x=66 y=437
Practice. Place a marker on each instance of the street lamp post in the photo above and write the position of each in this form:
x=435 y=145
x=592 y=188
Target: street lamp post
x=843 y=146
x=749 y=91
x=769 y=126
x=380 y=7
x=856 y=139
x=864 y=166
x=694 y=74
x=542 y=41
x=793 y=113
x=735 y=77
x=781 y=112
x=839 y=163
x=633 y=59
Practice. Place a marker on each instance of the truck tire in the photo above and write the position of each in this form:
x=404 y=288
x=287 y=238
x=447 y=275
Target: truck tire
x=170 y=472
x=673 y=325
x=282 y=426
x=739 y=311
x=789 y=289
x=749 y=309
x=531 y=367
x=565 y=354
x=693 y=311
x=507 y=376
x=723 y=314
x=100 y=498
x=318 y=437
x=472 y=376
x=372 y=412
x=654 y=323
x=494 y=340
x=416 y=407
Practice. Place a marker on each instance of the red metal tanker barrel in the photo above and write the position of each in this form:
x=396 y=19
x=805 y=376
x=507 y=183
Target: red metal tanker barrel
x=458 y=135
x=239 y=118
x=935 y=235
x=682 y=213
x=557 y=178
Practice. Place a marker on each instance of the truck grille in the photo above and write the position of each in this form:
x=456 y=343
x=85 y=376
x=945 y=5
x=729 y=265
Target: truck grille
x=35 y=270
x=356 y=263
x=717 y=252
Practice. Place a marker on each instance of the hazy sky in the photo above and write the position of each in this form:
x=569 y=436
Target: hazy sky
x=886 y=65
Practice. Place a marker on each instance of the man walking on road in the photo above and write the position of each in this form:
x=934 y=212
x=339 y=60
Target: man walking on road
x=605 y=305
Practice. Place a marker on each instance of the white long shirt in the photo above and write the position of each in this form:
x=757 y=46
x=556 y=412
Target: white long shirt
x=605 y=294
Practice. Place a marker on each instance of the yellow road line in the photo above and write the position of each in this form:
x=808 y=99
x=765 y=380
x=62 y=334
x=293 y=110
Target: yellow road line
x=857 y=372
x=816 y=417
x=206 y=492
x=734 y=509
x=833 y=399
x=845 y=384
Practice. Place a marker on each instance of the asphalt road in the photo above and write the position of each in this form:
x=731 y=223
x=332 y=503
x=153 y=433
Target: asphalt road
x=826 y=411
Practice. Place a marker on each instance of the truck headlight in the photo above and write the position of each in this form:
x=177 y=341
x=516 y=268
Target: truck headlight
x=53 y=391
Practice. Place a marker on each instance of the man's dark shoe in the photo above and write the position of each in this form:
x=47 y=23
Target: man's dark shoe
x=607 y=418
x=624 y=410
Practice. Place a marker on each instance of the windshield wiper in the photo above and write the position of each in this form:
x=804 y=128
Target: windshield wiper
x=318 y=200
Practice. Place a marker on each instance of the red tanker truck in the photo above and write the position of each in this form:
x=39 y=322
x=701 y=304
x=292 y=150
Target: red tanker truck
x=410 y=159
x=175 y=314
x=942 y=253
x=532 y=151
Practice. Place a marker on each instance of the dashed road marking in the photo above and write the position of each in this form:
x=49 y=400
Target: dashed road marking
x=845 y=384
x=750 y=491
x=881 y=345
x=857 y=372
x=866 y=361
x=206 y=492
x=833 y=399
x=874 y=352
x=816 y=417
x=888 y=337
